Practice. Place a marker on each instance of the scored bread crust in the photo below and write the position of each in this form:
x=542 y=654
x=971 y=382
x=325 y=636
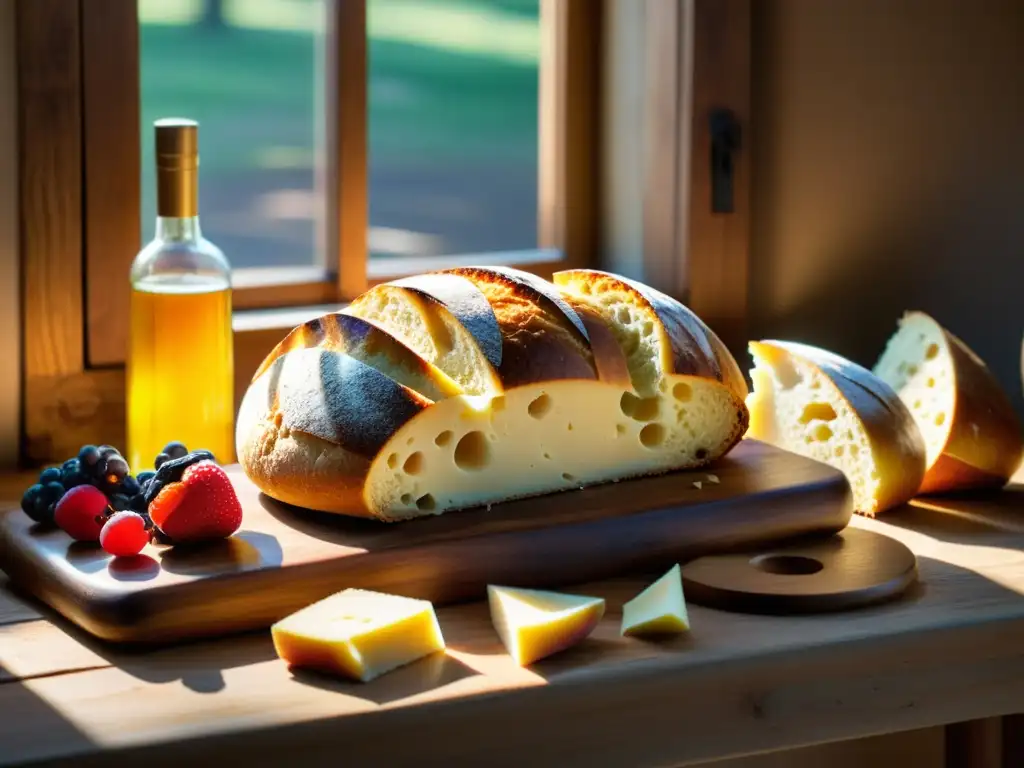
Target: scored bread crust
x=983 y=445
x=542 y=336
x=896 y=443
x=310 y=425
x=686 y=344
x=369 y=344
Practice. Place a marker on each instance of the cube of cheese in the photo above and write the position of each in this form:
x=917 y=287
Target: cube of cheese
x=534 y=624
x=358 y=634
x=658 y=610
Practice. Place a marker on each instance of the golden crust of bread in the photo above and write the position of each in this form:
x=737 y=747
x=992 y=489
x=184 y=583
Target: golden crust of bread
x=688 y=345
x=366 y=342
x=985 y=446
x=543 y=338
x=896 y=441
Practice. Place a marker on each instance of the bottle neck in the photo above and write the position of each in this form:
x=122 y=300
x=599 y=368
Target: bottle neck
x=175 y=229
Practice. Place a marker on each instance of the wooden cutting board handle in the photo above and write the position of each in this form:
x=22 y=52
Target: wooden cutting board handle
x=849 y=570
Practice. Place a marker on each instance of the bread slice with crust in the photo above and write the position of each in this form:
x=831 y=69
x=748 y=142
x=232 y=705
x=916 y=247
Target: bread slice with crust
x=445 y=319
x=971 y=431
x=658 y=334
x=369 y=344
x=820 y=405
x=309 y=427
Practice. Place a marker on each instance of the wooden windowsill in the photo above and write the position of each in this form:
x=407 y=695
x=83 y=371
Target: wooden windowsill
x=949 y=652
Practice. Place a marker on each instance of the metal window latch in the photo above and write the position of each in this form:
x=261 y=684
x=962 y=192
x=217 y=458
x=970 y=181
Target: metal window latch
x=725 y=140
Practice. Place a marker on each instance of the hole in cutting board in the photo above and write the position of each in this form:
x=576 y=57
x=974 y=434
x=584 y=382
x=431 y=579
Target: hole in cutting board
x=787 y=565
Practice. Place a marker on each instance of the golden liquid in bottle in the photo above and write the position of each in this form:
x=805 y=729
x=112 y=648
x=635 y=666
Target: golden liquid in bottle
x=180 y=368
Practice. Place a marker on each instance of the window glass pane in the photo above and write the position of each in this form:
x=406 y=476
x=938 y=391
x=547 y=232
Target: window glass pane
x=453 y=126
x=251 y=73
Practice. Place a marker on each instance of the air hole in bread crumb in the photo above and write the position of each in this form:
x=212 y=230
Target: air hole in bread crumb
x=425 y=502
x=414 y=464
x=568 y=477
x=444 y=438
x=638 y=408
x=406 y=498
x=472 y=451
x=819 y=411
x=940 y=419
x=932 y=352
x=682 y=392
x=701 y=454
x=622 y=316
x=392 y=461
x=931 y=382
x=787 y=373
x=652 y=435
x=540 y=406
x=822 y=433
x=648 y=328
x=854 y=450
x=917 y=404
x=839 y=451
x=912 y=370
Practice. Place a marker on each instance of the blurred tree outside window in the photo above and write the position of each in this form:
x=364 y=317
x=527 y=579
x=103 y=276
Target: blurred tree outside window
x=453 y=89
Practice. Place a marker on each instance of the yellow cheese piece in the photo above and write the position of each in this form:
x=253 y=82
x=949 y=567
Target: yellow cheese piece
x=658 y=610
x=534 y=624
x=358 y=634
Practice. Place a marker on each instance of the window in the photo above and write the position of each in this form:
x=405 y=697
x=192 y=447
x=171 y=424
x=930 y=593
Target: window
x=346 y=142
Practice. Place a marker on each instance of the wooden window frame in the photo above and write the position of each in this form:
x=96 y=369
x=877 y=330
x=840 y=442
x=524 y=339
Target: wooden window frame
x=79 y=188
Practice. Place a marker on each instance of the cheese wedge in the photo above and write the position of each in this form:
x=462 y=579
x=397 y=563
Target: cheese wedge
x=658 y=610
x=358 y=634
x=534 y=624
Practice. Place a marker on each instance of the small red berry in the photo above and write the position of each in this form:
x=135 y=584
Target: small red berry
x=81 y=512
x=124 y=534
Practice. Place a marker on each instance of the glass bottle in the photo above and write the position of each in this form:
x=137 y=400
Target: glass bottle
x=180 y=367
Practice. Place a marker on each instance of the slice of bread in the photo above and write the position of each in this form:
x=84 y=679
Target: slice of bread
x=971 y=431
x=820 y=405
x=371 y=345
x=309 y=427
x=445 y=319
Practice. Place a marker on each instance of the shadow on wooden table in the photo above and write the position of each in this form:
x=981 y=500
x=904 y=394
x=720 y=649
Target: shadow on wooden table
x=966 y=517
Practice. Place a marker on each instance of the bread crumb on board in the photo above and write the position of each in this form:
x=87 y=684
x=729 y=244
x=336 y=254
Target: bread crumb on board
x=698 y=484
x=712 y=478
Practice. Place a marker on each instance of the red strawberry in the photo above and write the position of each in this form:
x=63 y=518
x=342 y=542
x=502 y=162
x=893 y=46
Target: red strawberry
x=203 y=505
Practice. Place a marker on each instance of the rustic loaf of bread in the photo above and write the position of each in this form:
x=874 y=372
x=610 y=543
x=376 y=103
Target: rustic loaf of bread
x=472 y=386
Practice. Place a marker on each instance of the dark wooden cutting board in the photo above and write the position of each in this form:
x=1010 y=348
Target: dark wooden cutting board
x=284 y=558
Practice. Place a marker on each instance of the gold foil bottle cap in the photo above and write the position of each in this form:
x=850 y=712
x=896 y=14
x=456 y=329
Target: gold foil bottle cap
x=177 y=165
x=177 y=143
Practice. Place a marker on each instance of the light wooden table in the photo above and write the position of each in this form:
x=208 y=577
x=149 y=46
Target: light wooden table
x=951 y=652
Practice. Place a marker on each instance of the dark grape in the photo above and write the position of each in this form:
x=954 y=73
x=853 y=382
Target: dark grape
x=160 y=460
x=106 y=451
x=130 y=485
x=88 y=455
x=53 y=491
x=175 y=450
x=117 y=468
x=138 y=503
x=147 y=521
x=74 y=479
x=99 y=469
x=145 y=477
x=119 y=502
x=28 y=499
x=50 y=475
x=70 y=463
